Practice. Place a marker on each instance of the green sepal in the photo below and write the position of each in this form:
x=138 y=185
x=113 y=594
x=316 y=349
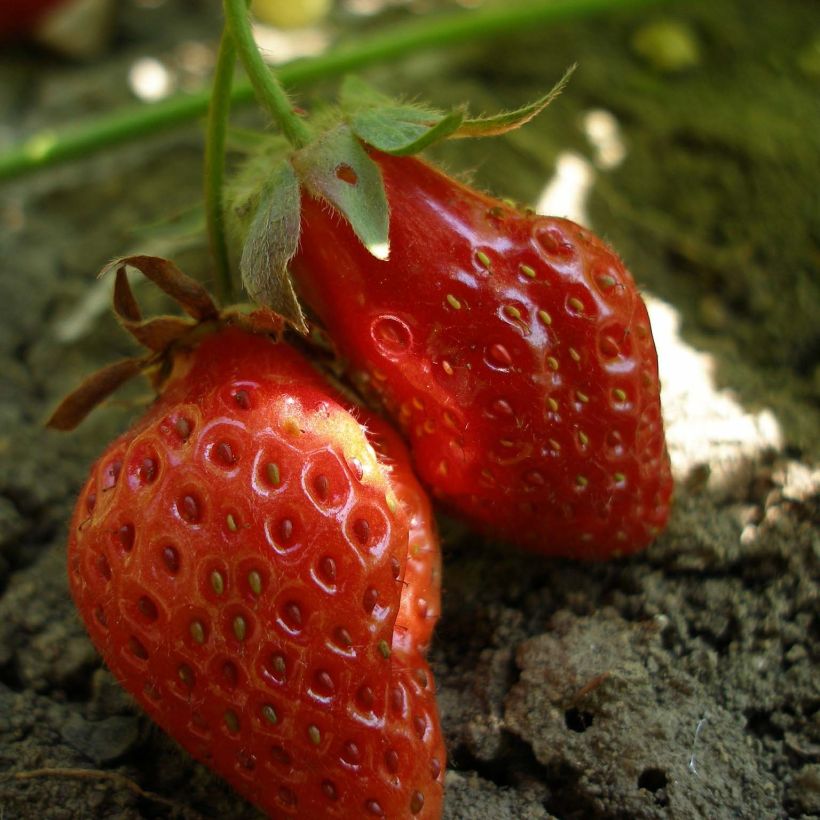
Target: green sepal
x=403 y=130
x=510 y=120
x=270 y=244
x=393 y=127
x=336 y=168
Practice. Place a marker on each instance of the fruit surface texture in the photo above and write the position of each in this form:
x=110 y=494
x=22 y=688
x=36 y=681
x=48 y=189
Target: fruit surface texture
x=239 y=558
x=515 y=354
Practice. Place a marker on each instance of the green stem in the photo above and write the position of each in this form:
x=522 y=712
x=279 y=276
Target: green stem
x=218 y=114
x=48 y=148
x=268 y=91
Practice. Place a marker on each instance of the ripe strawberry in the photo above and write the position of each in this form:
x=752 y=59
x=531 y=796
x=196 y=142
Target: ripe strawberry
x=420 y=604
x=513 y=350
x=238 y=558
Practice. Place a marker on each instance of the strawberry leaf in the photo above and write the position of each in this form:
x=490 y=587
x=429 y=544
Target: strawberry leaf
x=510 y=120
x=390 y=126
x=336 y=168
x=403 y=130
x=270 y=244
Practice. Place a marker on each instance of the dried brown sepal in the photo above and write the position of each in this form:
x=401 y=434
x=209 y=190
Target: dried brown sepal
x=259 y=320
x=191 y=296
x=125 y=305
x=94 y=390
x=159 y=333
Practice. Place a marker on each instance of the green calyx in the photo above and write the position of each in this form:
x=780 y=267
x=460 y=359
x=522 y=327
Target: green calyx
x=404 y=129
x=330 y=161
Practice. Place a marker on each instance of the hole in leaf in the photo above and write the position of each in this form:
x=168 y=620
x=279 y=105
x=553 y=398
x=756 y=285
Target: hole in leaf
x=346 y=174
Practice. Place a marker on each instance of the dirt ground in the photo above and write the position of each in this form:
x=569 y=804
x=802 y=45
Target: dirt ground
x=682 y=683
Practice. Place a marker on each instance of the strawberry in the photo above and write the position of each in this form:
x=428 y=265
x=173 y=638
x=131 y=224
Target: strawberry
x=239 y=560
x=420 y=603
x=513 y=350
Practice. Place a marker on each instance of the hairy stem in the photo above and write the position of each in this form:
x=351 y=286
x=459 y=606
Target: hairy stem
x=269 y=92
x=218 y=114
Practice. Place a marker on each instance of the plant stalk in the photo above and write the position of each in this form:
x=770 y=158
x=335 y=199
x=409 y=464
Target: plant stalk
x=218 y=114
x=269 y=93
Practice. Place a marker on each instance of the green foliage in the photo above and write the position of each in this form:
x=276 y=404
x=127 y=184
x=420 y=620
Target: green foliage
x=510 y=120
x=335 y=167
x=271 y=242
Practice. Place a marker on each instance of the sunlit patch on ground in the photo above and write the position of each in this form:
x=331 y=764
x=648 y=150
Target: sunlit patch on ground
x=706 y=428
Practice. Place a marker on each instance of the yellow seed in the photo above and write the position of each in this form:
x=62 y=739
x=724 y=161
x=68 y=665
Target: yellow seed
x=581 y=480
x=552 y=363
x=583 y=438
x=449 y=420
x=606 y=281
x=582 y=397
x=384 y=649
x=619 y=394
x=545 y=317
x=552 y=404
x=527 y=271
x=576 y=356
x=232 y=721
x=314 y=735
x=197 y=631
x=619 y=477
x=273 y=474
x=217 y=582
x=576 y=304
x=231 y=522
x=442 y=468
x=554 y=444
x=240 y=628
x=392 y=503
x=453 y=302
x=418 y=403
x=255 y=582
x=429 y=426
x=269 y=713
x=512 y=311
x=447 y=367
x=290 y=427
x=379 y=376
x=483 y=259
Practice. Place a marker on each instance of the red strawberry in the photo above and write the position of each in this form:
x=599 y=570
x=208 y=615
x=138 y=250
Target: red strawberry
x=420 y=603
x=513 y=350
x=238 y=558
